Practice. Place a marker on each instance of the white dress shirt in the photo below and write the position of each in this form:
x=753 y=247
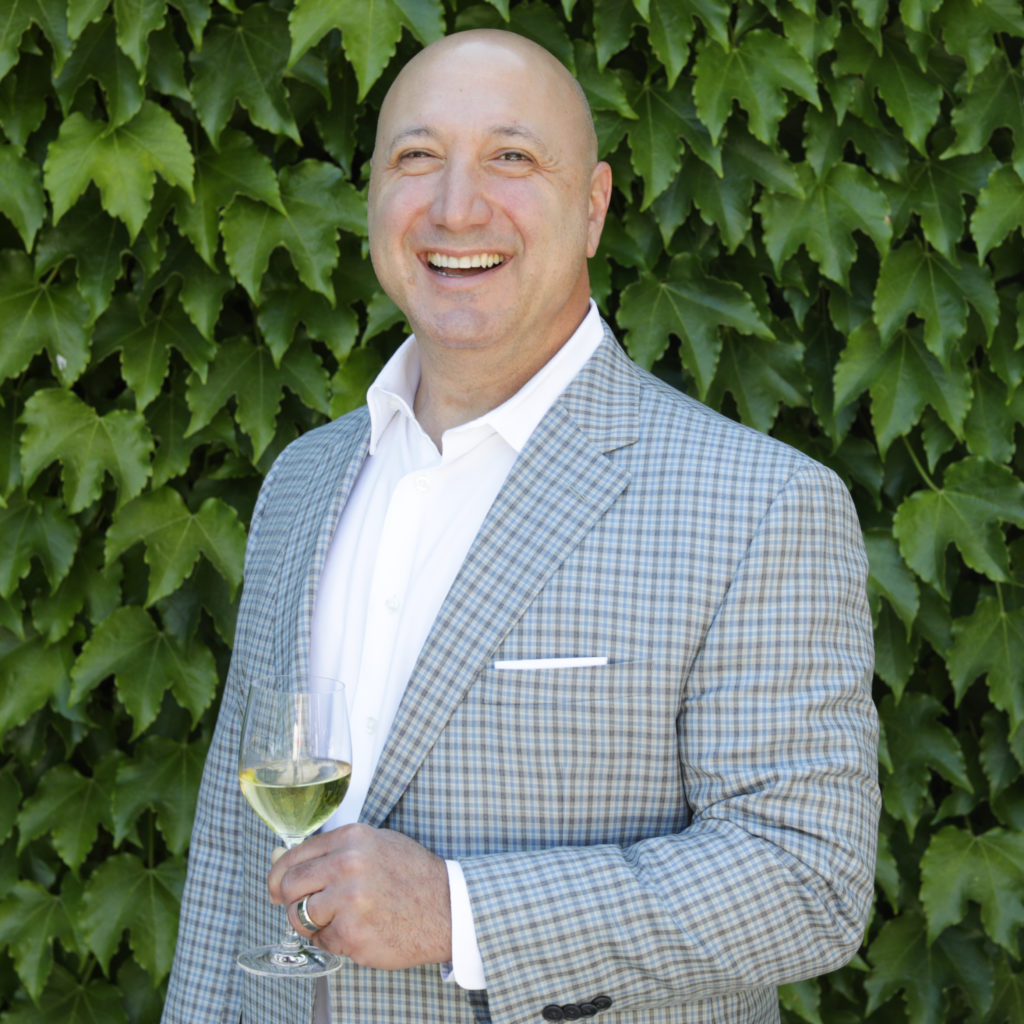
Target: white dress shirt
x=401 y=540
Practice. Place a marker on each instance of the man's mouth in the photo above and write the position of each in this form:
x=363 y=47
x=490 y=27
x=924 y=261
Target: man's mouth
x=463 y=266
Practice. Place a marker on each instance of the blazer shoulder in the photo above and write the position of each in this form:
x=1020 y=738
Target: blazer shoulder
x=672 y=420
x=289 y=475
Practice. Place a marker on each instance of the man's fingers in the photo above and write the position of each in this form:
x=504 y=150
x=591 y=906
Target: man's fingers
x=277 y=853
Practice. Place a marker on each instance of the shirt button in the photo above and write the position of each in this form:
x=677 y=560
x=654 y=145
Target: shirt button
x=552 y=1012
x=370 y=725
x=392 y=603
x=422 y=484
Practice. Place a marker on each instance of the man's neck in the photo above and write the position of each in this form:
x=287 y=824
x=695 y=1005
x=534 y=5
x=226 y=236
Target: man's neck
x=459 y=386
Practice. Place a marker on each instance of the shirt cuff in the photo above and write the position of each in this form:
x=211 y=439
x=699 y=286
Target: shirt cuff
x=467 y=966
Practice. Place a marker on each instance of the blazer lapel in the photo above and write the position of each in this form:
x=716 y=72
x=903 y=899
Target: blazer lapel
x=331 y=472
x=560 y=486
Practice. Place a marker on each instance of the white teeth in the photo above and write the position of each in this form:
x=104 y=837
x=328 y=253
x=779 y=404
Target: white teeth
x=482 y=260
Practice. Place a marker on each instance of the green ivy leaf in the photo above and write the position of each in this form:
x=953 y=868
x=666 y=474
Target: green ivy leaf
x=122 y=162
x=46 y=664
x=70 y=807
x=244 y=62
x=30 y=919
x=889 y=577
x=174 y=538
x=145 y=347
x=911 y=96
x=164 y=775
x=124 y=895
x=824 y=217
x=21 y=199
x=1000 y=210
x=990 y=642
x=670 y=27
x=987 y=869
x=902 y=959
x=283 y=309
x=1008 y=1001
x=605 y=88
x=914 y=280
x=761 y=373
x=317 y=202
x=369 y=33
x=924 y=744
x=97 y=56
x=992 y=100
x=145 y=662
x=82 y=13
x=60 y=426
x=969 y=29
x=934 y=190
x=755 y=74
x=235 y=168
x=989 y=428
x=902 y=378
x=692 y=306
x=247 y=373
x=90 y=587
x=168 y=418
x=70 y=1001
x=136 y=19
x=1001 y=758
x=35 y=529
x=15 y=18
x=967 y=510
x=613 y=25
x=655 y=138
x=96 y=242
x=38 y=315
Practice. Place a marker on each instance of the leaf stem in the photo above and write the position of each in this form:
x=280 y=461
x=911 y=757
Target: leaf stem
x=917 y=462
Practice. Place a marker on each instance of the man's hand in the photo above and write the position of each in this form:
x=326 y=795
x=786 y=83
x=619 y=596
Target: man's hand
x=380 y=898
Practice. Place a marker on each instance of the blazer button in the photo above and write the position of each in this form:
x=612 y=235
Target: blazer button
x=552 y=1012
x=601 y=1002
x=570 y=1011
x=588 y=1009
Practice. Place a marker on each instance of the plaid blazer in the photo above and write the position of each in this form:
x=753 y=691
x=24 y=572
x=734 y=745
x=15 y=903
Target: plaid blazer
x=665 y=838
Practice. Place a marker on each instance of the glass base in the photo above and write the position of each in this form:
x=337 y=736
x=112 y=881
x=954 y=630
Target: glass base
x=281 y=962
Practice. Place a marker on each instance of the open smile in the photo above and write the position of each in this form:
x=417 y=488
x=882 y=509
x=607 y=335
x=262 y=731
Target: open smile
x=463 y=266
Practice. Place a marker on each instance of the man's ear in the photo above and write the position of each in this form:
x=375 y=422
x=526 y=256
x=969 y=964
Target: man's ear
x=600 y=197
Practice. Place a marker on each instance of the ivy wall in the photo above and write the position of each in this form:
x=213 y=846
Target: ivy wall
x=817 y=228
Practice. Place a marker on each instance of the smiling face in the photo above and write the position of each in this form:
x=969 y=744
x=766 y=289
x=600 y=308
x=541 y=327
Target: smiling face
x=486 y=199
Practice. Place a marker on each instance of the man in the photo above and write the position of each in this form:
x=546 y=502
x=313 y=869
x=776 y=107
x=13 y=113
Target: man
x=610 y=652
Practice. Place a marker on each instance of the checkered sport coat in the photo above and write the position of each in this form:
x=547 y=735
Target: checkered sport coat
x=665 y=838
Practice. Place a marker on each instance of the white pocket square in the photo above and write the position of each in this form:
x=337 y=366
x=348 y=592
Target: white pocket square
x=541 y=663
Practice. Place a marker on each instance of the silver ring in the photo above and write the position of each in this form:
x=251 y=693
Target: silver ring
x=302 y=913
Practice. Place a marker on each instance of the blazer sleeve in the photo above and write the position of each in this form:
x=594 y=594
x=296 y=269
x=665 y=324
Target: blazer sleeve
x=771 y=881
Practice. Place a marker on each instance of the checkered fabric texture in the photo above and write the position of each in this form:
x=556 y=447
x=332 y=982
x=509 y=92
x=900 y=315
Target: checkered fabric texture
x=681 y=830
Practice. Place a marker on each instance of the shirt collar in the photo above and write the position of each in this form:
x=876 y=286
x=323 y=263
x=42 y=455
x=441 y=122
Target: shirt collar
x=394 y=391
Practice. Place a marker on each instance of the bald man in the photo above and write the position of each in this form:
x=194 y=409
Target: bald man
x=608 y=654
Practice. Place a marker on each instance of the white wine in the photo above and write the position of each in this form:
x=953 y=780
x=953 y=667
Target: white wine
x=296 y=797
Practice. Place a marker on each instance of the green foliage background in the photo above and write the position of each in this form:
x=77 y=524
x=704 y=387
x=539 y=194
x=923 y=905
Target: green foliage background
x=817 y=228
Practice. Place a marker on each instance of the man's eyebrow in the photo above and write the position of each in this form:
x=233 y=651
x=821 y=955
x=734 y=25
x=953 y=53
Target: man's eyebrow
x=409 y=133
x=506 y=131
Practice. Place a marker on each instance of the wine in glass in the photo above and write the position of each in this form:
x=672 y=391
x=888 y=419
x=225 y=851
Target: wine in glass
x=294 y=765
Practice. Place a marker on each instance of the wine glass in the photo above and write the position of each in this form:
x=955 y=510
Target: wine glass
x=294 y=765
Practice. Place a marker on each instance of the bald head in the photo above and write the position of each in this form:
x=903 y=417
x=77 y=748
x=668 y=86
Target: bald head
x=430 y=66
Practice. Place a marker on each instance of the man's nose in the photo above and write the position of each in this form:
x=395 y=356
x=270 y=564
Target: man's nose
x=461 y=201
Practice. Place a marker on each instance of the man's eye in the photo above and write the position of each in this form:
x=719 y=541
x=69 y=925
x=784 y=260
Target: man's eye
x=513 y=155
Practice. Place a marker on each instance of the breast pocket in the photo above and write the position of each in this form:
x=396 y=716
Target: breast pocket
x=560 y=754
